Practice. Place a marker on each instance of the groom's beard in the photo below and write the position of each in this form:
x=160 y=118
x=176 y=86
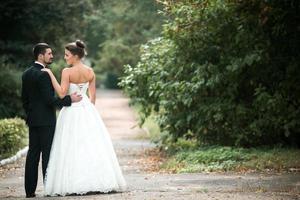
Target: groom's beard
x=49 y=62
x=48 y=65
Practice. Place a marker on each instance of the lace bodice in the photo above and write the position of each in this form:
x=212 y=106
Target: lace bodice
x=80 y=88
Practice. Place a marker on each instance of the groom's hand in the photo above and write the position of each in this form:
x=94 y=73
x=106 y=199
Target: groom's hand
x=75 y=97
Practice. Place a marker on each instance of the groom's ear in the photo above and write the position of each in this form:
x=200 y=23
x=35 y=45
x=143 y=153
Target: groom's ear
x=40 y=56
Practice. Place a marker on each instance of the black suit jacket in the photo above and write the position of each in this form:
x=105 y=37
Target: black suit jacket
x=38 y=97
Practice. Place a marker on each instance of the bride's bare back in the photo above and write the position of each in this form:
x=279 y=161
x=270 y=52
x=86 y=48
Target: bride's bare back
x=80 y=74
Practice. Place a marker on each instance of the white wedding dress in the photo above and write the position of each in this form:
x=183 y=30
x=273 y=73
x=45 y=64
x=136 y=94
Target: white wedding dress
x=82 y=156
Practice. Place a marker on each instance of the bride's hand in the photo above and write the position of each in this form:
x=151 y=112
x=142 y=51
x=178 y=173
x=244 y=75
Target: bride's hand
x=47 y=70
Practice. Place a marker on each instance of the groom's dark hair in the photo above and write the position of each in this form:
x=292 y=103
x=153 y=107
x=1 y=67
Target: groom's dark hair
x=40 y=48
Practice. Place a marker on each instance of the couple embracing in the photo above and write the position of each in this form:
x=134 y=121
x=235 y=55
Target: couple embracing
x=77 y=153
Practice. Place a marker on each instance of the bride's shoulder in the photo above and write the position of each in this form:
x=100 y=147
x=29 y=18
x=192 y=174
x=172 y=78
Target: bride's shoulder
x=66 y=71
x=89 y=68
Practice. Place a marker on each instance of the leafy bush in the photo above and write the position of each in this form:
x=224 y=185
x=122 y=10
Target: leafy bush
x=223 y=72
x=111 y=80
x=10 y=90
x=180 y=145
x=13 y=133
x=57 y=68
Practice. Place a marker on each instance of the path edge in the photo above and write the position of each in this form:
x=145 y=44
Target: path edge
x=14 y=158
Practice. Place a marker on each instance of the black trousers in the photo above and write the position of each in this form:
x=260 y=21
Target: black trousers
x=40 y=141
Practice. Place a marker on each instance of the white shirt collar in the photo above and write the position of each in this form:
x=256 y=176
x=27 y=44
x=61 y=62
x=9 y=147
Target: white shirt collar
x=37 y=62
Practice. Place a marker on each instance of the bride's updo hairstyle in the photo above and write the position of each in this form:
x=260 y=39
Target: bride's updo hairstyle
x=76 y=48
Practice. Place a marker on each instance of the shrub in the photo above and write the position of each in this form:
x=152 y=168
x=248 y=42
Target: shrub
x=111 y=80
x=10 y=90
x=13 y=134
x=223 y=72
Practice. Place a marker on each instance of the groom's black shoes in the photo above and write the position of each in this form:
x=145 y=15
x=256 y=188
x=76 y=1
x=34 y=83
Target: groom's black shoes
x=30 y=195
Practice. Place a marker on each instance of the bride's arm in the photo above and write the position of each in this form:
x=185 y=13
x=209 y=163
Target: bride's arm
x=62 y=88
x=92 y=89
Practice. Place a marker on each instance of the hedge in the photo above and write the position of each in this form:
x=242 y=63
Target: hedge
x=13 y=136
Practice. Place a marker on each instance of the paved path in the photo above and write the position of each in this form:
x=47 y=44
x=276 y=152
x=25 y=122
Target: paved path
x=142 y=184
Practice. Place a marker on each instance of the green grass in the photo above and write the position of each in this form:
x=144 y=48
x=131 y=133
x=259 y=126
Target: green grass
x=219 y=158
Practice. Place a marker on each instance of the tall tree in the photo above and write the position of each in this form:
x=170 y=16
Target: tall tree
x=115 y=32
x=30 y=21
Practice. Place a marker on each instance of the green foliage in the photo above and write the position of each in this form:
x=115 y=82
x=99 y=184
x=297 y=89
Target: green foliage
x=223 y=72
x=218 y=158
x=13 y=134
x=117 y=30
x=180 y=145
x=113 y=56
x=111 y=81
x=10 y=90
x=147 y=82
x=57 y=68
x=30 y=21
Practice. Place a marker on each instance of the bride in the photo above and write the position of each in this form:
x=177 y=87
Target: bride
x=82 y=157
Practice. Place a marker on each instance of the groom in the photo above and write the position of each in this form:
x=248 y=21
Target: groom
x=39 y=103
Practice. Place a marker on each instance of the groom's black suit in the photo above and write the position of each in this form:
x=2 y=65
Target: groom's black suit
x=39 y=103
